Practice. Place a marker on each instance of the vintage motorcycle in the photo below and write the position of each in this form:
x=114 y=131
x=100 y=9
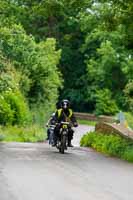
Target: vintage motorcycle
x=51 y=134
x=62 y=139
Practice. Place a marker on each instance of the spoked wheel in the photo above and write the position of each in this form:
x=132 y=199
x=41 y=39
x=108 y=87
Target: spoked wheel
x=63 y=144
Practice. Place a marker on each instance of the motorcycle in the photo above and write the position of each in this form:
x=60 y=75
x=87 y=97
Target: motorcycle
x=62 y=139
x=51 y=134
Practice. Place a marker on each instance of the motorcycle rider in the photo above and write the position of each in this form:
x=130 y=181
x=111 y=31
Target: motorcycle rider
x=51 y=121
x=65 y=114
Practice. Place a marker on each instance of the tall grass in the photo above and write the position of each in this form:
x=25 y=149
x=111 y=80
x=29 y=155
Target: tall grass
x=22 y=134
x=87 y=122
x=34 y=131
x=112 y=145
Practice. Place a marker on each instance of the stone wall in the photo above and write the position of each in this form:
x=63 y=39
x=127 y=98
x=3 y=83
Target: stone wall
x=118 y=129
x=92 y=117
x=106 y=125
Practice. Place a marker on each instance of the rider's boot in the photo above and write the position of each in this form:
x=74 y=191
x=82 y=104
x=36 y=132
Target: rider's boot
x=54 y=144
x=69 y=144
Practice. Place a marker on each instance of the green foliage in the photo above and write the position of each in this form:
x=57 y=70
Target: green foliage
x=113 y=145
x=129 y=95
x=37 y=63
x=129 y=119
x=19 y=107
x=108 y=52
x=128 y=154
x=29 y=75
x=57 y=19
x=13 y=109
x=8 y=12
x=9 y=77
x=87 y=122
x=96 y=48
x=104 y=103
x=6 y=113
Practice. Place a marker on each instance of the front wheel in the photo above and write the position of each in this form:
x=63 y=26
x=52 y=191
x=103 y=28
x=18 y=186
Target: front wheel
x=63 y=144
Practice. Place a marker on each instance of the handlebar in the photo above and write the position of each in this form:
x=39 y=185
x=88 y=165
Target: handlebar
x=61 y=123
x=70 y=124
x=65 y=123
x=52 y=125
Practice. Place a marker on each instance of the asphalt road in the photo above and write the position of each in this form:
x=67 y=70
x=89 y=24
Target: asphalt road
x=39 y=172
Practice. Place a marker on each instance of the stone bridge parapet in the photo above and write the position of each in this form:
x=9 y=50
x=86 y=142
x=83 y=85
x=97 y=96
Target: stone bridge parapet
x=114 y=128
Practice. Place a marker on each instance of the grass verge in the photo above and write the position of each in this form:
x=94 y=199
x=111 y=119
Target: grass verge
x=87 y=122
x=22 y=134
x=112 y=145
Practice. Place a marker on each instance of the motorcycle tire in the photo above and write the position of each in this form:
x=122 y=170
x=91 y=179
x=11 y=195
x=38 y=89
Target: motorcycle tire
x=63 y=144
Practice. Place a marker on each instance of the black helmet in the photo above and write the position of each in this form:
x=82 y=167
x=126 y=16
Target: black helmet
x=65 y=104
x=58 y=105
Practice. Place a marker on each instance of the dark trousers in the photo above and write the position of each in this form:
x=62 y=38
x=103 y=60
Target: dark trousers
x=56 y=134
x=48 y=133
x=70 y=134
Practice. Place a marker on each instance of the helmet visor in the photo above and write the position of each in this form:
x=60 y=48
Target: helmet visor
x=65 y=105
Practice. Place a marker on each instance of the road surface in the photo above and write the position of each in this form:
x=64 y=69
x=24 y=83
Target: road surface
x=38 y=172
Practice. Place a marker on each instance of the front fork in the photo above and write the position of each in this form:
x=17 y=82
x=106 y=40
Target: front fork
x=60 y=139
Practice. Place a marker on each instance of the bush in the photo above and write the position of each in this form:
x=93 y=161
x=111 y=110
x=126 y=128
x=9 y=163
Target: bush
x=128 y=155
x=6 y=113
x=113 y=145
x=104 y=103
x=21 y=114
x=13 y=109
x=129 y=95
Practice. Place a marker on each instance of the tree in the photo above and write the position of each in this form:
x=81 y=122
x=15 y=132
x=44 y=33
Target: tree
x=40 y=79
x=107 y=53
x=129 y=95
x=95 y=38
x=58 y=19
